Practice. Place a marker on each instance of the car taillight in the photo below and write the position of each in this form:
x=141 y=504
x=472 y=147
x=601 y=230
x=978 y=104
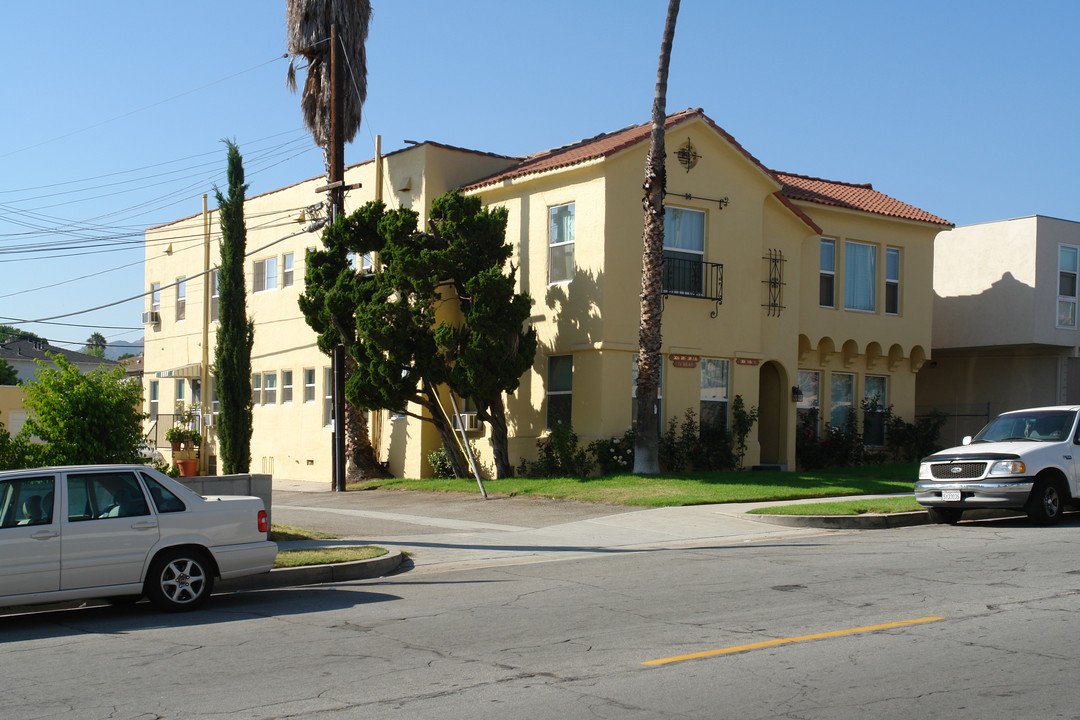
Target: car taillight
x=263 y=525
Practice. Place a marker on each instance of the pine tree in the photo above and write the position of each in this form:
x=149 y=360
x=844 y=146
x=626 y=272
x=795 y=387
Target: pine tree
x=236 y=331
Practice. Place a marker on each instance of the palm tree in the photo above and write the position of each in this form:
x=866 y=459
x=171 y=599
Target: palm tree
x=309 y=24
x=647 y=437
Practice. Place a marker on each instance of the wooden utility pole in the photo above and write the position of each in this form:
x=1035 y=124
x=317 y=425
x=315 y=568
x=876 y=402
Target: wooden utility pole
x=337 y=208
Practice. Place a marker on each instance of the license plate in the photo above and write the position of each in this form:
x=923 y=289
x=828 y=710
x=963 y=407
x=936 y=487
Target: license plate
x=950 y=495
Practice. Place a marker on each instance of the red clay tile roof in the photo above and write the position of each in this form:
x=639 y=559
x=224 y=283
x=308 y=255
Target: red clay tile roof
x=851 y=196
x=793 y=187
x=602 y=146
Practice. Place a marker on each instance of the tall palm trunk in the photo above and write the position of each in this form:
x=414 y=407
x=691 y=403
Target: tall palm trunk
x=650 y=361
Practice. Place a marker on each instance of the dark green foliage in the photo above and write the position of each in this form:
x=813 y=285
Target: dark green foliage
x=439 y=313
x=558 y=455
x=8 y=333
x=615 y=456
x=845 y=446
x=81 y=418
x=689 y=446
x=8 y=374
x=236 y=332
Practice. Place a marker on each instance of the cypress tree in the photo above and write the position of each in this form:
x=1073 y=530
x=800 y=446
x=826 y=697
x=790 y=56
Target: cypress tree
x=236 y=331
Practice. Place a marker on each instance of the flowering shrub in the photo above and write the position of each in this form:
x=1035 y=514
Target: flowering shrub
x=559 y=455
x=614 y=455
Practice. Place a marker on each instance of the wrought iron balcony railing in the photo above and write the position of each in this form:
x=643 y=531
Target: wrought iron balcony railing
x=694 y=278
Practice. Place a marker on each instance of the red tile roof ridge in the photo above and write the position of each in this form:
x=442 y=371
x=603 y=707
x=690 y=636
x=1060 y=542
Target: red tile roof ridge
x=868 y=186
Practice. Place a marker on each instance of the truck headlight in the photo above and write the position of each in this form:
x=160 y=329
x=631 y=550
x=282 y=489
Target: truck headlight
x=1008 y=467
x=924 y=472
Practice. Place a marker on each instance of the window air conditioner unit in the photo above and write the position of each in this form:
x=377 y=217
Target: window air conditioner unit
x=207 y=420
x=151 y=317
x=469 y=420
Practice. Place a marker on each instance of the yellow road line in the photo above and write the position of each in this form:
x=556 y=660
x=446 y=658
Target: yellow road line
x=784 y=641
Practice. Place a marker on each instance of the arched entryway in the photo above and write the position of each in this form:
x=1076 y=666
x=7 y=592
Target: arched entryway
x=772 y=413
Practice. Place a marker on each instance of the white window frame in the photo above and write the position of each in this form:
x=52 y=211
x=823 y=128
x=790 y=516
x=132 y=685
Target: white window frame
x=256 y=389
x=309 y=385
x=836 y=406
x=1066 y=303
x=563 y=245
x=828 y=273
x=328 y=397
x=154 y=393
x=215 y=295
x=155 y=297
x=714 y=393
x=558 y=393
x=856 y=279
x=181 y=298
x=892 y=278
x=811 y=398
x=269 y=388
x=286 y=387
x=680 y=283
x=287 y=270
x=264 y=275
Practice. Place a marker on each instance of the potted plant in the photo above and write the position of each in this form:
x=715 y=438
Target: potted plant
x=176 y=435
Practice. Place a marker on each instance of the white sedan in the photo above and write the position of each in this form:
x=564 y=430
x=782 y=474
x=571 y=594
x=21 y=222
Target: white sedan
x=122 y=532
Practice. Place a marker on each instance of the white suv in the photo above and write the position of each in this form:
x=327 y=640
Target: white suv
x=121 y=532
x=1025 y=459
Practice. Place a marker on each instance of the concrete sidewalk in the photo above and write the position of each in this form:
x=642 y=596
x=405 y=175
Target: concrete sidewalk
x=444 y=532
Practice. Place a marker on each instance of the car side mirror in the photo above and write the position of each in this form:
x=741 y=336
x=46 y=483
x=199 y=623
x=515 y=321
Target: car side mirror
x=966 y=440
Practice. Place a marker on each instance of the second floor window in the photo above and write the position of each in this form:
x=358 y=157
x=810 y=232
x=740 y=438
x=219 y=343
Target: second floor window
x=181 y=298
x=892 y=281
x=309 y=385
x=860 y=276
x=155 y=297
x=287 y=270
x=561 y=243
x=286 y=386
x=684 y=250
x=265 y=275
x=827 y=282
x=215 y=295
x=1067 y=273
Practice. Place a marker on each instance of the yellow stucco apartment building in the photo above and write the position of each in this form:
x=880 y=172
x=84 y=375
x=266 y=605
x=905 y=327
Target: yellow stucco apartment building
x=791 y=291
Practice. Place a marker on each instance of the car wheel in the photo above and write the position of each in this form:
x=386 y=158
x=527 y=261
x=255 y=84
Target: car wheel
x=179 y=580
x=1047 y=501
x=944 y=516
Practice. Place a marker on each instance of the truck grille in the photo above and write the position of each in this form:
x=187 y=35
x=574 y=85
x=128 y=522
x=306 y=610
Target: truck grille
x=958 y=471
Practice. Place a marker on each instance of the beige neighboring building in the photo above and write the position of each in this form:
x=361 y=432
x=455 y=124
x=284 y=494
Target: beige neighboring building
x=1005 y=321
x=791 y=291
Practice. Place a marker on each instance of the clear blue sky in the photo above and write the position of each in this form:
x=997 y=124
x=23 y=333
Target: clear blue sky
x=114 y=112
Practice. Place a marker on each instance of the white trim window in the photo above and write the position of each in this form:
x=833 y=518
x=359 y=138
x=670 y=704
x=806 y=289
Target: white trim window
x=684 y=251
x=270 y=388
x=215 y=295
x=181 y=299
x=876 y=401
x=560 y=389
x=860 y=276
x=154 y=399
x=892 y=281
x=713 y=407
x=309 y=385
x=286 y=387
x=179 y=395
x=256 y=388
x=561 y=243
x=265 y=275
x=827 y=274
x=1068 y=257
x=155 y=297
x=328 y=397
x=810 y=404
x=287 y=270
x=841 y=399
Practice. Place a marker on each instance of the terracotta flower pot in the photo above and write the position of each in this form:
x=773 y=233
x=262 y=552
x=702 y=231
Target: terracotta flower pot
x=188 y=468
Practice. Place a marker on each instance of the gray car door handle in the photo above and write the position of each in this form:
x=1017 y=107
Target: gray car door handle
x=143 y=525
x=45 y=534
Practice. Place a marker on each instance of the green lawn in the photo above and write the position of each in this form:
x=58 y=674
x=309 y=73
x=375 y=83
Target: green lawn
x=682 y=489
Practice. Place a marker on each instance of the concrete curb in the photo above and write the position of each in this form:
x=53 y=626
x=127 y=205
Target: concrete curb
x=318 y=574
x=845 y=522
